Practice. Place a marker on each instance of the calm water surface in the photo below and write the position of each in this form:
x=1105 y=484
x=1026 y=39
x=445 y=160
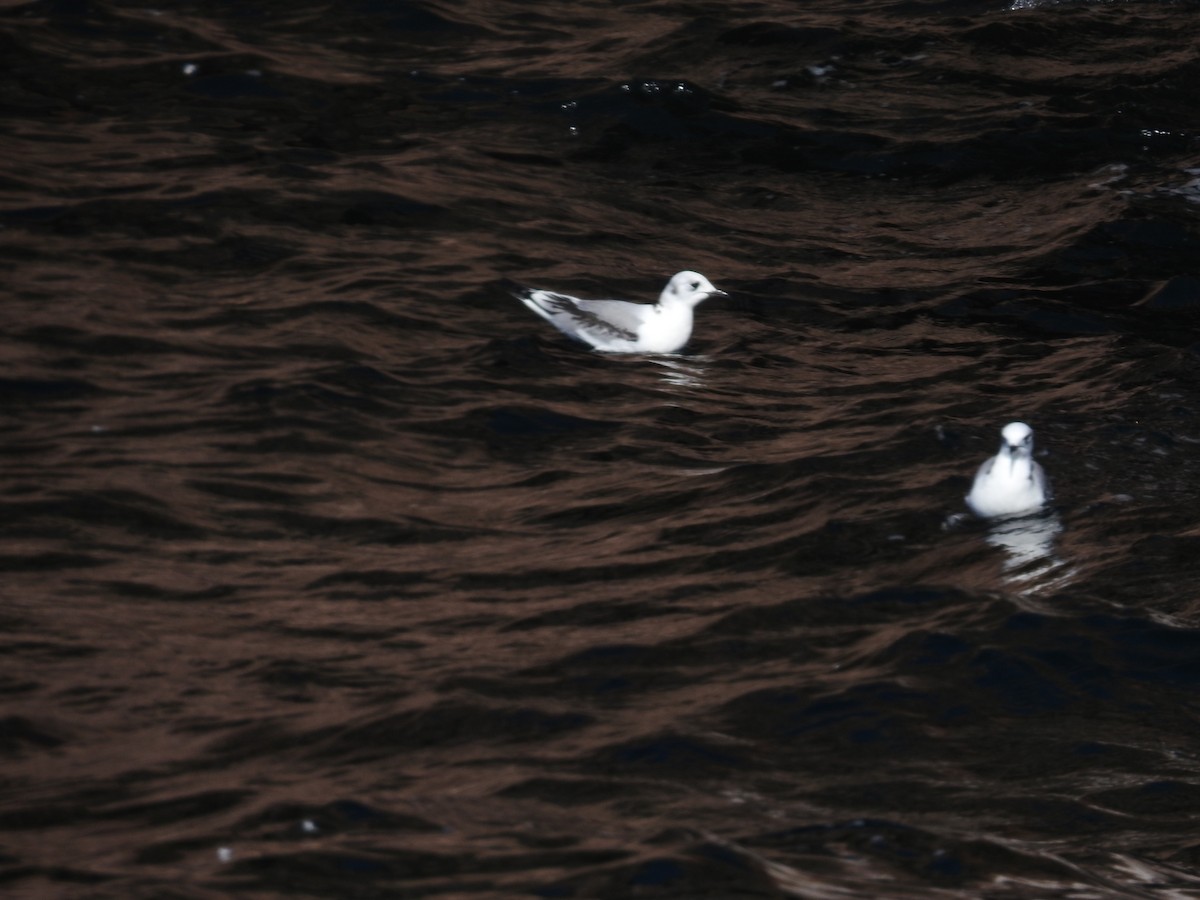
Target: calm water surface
x=329 y=570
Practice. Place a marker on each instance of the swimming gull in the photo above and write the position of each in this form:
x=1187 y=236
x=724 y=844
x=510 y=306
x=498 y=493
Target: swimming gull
x=617 y=326
x=1010 y=483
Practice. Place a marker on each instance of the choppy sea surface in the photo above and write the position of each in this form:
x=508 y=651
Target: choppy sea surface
x=331 y=571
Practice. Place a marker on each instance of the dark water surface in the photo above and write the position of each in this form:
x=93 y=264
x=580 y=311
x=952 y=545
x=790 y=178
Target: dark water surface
x=329 y=570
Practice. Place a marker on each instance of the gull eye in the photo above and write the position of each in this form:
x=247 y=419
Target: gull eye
x=695 y=285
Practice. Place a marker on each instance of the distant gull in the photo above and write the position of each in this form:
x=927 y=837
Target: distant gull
x=617 y=326
x=1010 y=483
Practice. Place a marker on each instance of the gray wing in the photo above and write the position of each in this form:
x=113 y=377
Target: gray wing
x=1039 y=478
x=622 y=318
x=609 y=318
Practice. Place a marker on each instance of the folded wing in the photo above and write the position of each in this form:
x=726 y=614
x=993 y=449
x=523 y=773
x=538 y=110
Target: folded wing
x=604 y=320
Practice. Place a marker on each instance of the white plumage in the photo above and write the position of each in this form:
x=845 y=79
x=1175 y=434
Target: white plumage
x=617 y=326
x=1010 y=483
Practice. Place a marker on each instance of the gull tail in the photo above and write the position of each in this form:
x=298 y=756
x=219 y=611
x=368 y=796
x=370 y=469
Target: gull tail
x=540 y=302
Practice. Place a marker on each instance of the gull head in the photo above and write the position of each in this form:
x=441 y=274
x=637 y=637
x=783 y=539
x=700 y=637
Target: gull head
x=1017 y=439
x=689 y=288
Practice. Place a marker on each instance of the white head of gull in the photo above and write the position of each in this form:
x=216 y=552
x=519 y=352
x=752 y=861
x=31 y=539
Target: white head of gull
x=1010 y=483
x=618 y=326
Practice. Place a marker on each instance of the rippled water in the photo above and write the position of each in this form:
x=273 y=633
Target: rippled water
x=329 y=570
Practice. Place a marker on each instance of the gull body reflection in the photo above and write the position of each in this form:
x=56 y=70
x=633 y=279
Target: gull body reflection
x=1029 y=543
x=687 y=372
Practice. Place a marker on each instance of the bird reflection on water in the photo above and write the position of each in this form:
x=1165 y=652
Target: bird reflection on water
x=682 y=371
x=1032 y=563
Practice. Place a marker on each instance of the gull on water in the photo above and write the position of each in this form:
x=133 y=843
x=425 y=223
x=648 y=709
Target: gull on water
x=1010 y=483
x=617 y=326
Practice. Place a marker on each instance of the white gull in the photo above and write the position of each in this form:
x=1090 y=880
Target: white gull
x=1010 y=483
x=617 y=326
